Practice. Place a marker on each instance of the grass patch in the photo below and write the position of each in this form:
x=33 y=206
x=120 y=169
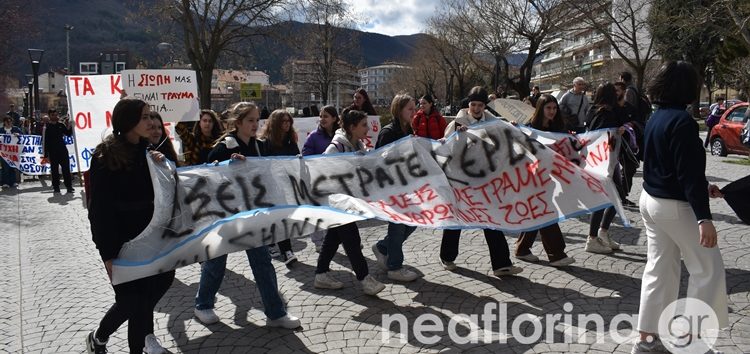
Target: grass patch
x=745 y=162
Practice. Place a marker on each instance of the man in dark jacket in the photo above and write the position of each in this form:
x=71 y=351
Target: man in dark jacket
x=56 y=152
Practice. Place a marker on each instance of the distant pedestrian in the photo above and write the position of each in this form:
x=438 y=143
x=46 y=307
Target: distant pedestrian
x=428 y=122
x=55 y=150
x=122 y=205
x=535 y=94
x=676 y=212
x=361 y=102
x=575 y=106
x=14 y=115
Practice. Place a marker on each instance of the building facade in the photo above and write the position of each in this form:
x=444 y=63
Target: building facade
x=304 y=86
x=374 y=80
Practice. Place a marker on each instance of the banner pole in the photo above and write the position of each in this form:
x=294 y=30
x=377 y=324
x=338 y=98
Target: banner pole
x=75 y=137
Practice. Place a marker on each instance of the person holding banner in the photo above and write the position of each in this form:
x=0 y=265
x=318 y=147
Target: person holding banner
x=389 y=251
x=362 y=103
x=198 y=143
x=55 y=151
x=159 y=140
x=347 y=139
x=602 y=116
x=9 y=173
x=498 y=246
x=675 y=208
x=235 y=145
x=280 y=139
x=547 y=117
x=122 y=205
x=316 y=144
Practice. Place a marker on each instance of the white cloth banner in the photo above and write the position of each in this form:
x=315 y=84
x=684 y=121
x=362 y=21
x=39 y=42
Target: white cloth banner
x=91 y=99
x=171 y=93
x=492 y=176
x=24 y=153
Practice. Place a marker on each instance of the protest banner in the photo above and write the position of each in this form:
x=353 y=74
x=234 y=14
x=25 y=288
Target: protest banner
x=491 y=176
x=24 y=153
x=306 y=125
x=512 y=110
x=91 y=99
x=171 y=93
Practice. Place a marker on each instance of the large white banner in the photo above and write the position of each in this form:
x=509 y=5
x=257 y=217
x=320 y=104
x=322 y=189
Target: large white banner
x=171 y=93
x=91 y=99
x=24 y=153
x=492 y=176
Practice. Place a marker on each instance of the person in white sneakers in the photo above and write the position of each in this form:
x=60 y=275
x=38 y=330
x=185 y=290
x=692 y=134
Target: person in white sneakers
x=237 y=144
x=347 y=139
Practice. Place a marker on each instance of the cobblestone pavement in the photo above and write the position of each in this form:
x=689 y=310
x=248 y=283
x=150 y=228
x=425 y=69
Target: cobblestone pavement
x=55 y=289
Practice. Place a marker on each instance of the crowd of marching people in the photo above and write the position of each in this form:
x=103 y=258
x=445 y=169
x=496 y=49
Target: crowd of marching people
x=673 y=203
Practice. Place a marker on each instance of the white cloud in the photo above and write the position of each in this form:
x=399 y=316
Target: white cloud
x=392 y=17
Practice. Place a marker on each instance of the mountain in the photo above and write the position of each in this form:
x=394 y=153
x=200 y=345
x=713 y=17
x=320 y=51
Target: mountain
x=116 y=25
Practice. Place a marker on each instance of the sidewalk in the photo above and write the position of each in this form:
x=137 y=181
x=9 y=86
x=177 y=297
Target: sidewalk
x=55 y=289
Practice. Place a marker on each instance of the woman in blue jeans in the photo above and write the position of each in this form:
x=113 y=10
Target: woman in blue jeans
x=237 y=144
x=389 y=251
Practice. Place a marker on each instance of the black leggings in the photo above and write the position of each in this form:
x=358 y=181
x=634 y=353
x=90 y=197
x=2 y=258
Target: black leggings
x=498 y=246
x=135 y=302
x=348 y=235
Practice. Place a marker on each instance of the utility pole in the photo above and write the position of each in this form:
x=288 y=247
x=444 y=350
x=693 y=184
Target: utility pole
x=68 y=28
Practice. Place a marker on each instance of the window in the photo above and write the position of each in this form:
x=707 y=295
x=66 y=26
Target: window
x=738 y=115
x=107 y=57
x=119 y=66
x=88 y=68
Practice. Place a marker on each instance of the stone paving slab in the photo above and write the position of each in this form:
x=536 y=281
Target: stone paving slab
x=55 y=289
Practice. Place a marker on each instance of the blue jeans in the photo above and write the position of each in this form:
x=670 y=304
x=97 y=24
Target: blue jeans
x=212 y=273
x=392 y=244
x=8 y=175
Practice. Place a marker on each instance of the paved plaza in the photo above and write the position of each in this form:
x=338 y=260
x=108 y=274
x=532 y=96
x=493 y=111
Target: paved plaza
x=55 y=290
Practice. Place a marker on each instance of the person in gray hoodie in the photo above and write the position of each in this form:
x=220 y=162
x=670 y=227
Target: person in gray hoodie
x=574 y=106
x=498 y=246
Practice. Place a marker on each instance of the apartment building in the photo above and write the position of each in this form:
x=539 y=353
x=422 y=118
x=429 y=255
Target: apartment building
x=374 y=80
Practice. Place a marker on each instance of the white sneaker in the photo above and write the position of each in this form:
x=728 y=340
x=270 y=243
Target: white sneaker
x=604 y=235
x=381 y=258
x=152 y=345
x=370 y=286
x=512 y=270
x=326 y=281
x=563 y=262
x=448 y=265
x=402 y=274
x=289 y=258
x=206 y=316
x=644 y=347
x=597 y=245
x=287 y=321
x=531 y=258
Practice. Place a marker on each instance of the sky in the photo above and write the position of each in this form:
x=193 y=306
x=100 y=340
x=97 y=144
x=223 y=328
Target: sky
x=393 y=18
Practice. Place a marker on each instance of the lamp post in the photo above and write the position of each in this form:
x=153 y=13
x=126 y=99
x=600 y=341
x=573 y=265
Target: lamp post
x=26 y=102
x=68 y=28
x=31 y=99
x=35 y=55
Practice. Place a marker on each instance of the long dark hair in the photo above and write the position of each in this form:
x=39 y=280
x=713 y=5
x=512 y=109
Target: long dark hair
x=115 y=151
x=164 y=145
x=216 y=130
x=351 y=118
x=272 y=130
x=605 y=97
x=676 y=83
x=367 y=106
x=537 y=119
x=331 y=110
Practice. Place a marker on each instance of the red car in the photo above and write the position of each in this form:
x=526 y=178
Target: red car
x=725 y=135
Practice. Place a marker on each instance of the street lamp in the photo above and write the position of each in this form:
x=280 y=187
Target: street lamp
x=26 y=102
x=31 y=98
x=35 y=55
x=68 y=28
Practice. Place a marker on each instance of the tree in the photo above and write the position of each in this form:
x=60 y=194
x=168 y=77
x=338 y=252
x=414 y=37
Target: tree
x=739 y=12
x=624 y=23
x=328 y=43
x=454 y=49
x=212 y=28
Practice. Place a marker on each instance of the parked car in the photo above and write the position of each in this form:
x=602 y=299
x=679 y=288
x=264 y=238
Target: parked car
x=725 y=135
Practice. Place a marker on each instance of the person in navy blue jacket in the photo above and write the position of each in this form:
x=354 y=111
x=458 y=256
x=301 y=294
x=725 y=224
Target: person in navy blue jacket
x=675 y=210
